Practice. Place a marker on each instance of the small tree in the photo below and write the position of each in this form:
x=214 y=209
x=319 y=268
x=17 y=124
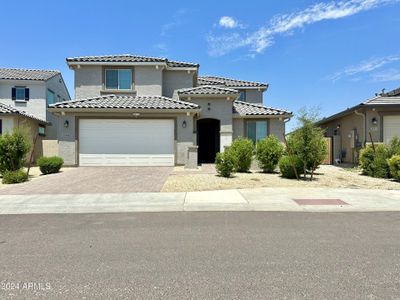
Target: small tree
x=13 y=150
x=243 y=150
x=268 y=153
x=308 y=143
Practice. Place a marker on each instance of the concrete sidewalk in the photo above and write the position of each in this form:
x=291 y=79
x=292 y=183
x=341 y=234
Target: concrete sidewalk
x=262 y=199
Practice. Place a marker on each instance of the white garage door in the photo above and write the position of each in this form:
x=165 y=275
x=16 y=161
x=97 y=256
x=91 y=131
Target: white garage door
x=121 y=142
x=391 y=127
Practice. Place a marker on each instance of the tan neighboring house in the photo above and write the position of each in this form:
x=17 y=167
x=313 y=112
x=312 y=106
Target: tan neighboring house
x=377 y=120
x=149 y=111
x=24 y=97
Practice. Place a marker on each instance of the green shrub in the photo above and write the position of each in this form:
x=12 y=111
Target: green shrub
x=374 y=163
x=14 y=148
x=268 y=153
x=16 y=176
x=394 y=166
x=286 y=166
x=49 y=165
x=394 y=146
x=225 y=163
x=243 y=150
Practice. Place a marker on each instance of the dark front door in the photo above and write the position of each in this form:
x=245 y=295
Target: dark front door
x=208 y=139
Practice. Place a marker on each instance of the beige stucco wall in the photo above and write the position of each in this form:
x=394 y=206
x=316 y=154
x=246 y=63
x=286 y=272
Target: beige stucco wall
x=174 y=80
x=88 y=81
x=276 y=127
x=220 y=109
x=347 y=125
x=254 y=96
x=148 y=80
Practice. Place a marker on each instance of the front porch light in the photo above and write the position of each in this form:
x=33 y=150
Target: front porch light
x=184 y=124
x=66 y=124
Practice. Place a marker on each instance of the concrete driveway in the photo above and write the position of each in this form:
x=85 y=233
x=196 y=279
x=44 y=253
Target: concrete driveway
x=84 y=180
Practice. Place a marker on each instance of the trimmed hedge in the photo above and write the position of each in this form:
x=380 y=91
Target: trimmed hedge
x=243 y=150
x=394 y=166
x=286 y=166
x=49 y=165
x=225 y=163
x=18 y=176
x=268 y=153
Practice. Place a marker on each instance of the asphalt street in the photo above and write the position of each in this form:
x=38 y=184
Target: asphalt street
x=200 y=255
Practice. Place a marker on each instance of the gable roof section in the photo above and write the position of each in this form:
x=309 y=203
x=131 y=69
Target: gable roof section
x=383 y=100
x=376 y=101
x=130 y=58
x=9 y=110
x=229 y=82
x=27 y=74
x=126 y=102
x=253 y=109
x=207 y=90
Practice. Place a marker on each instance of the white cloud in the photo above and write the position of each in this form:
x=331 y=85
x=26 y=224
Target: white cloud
x=387 y=75
x=366 y=66
x=263 y=38
x=228 y=22
x=175 y=22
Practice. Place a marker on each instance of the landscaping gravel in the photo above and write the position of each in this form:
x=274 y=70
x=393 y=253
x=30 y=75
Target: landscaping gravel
x=182 y=180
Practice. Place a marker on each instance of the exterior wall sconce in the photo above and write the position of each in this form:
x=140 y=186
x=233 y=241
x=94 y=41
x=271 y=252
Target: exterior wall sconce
x=66 y=124
x=338 y=126
x=374 y=121
x=184 y=124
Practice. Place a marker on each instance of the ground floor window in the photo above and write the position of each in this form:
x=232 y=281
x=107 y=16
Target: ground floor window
x=42 y=130
x=1 y=126
x=257 y=130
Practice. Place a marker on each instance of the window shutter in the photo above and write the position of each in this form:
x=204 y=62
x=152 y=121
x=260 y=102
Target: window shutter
x=26 y=94
x=14 y=93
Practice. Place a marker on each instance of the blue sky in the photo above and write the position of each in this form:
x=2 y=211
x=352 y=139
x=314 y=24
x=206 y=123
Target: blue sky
x=330 y=54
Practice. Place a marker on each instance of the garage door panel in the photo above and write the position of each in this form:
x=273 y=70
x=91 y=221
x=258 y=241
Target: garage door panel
x=391 y=127
x=122 y=142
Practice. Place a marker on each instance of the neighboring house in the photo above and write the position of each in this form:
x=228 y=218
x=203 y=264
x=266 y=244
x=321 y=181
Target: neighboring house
x=24 y=97
x=377 y=120
x=136 y=110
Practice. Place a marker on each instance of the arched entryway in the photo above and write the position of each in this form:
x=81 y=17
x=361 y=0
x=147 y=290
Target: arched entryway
x=208 y=139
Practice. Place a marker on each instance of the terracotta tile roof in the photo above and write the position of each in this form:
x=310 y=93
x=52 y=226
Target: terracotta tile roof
x=128 y=102
x=228 y=82
x=253 y=109
x=9 y=110
x=126 y=58
x=27 y=74
x=207 y=90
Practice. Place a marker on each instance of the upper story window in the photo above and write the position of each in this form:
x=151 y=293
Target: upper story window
x=242 y=96
x=118 y=79
x=257 y=130
x=51 y=97
x=42 y=130
x=20 y=93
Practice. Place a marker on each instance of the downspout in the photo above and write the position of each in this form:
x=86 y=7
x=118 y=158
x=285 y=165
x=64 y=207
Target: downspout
x=364 y=125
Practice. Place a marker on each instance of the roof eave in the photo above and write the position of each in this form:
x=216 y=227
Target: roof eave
x=123 y=110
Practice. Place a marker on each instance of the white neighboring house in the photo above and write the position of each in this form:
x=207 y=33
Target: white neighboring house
x=24 y=97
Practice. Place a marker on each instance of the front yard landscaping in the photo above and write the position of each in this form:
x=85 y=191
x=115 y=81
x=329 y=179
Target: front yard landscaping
x=206 y=178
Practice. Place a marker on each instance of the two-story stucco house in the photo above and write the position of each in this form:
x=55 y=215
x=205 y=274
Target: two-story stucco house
x=24 y=97
x=136 y=110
